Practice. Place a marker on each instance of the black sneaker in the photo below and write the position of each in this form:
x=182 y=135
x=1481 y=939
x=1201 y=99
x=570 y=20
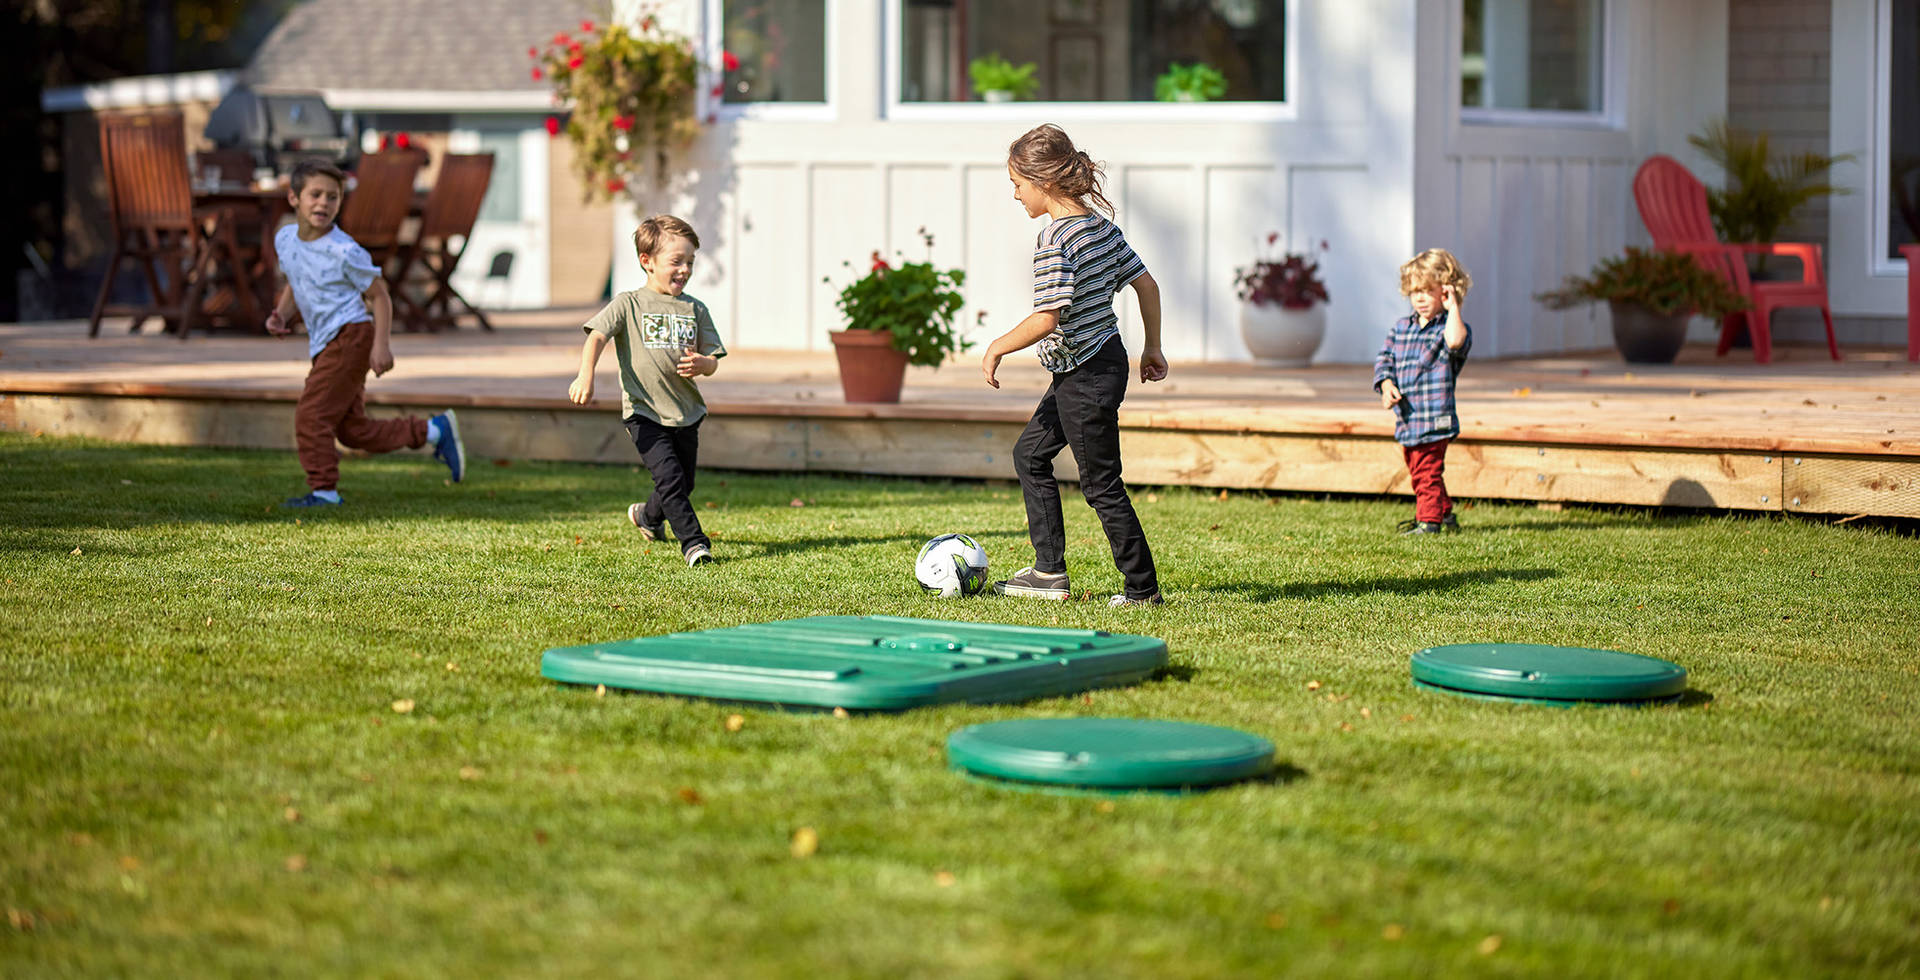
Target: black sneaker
x=1419 y=527
x=1029 y=584
x=699 y=555
x=1123 y=601
x=651 y=532
x=1450 y=523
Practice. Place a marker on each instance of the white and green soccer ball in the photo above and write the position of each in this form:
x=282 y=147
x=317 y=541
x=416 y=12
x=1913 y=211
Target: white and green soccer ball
x=951 y=565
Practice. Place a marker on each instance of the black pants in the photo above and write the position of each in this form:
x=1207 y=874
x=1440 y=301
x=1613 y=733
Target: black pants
x=670 y=453
x=1081 y=411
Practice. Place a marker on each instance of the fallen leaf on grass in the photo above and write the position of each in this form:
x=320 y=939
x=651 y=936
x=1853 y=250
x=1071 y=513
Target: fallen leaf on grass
x=841 y=713
x=129 y=863
x=1394 y=932
x=79 y=839
x=1490 y=945
x=1406 y=717
x=1670 y=907
x=539 y=836
x=805 y=843
x=1276 y=920
x=1213 y=527
x=711 y=504
x=452 y=668
x=469 y=773
x=690 y=796
x=1223 y=496
x=296 y=863
x=503 y=462
x=74 y=551
x=796 y=502
x=736 y=722
x=1104 y=806
x=1366 y=712
x=403 y=706
x=944 y=879
x=21 y=919
x=1153 y=498
x=600 y=690
x=1313 y=685
x=290 y=815
x=1346 y=726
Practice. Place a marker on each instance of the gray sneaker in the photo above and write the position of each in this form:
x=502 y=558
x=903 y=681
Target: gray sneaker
x=651 y=532
x=699 y=555
x=1122 y=601
x=1029 y=584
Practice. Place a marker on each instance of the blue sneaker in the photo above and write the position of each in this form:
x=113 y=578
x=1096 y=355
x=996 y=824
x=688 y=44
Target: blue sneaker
x=448 y=449
x=310 y=500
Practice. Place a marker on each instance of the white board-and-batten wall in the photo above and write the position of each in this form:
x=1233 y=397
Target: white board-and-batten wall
x=1368 y=154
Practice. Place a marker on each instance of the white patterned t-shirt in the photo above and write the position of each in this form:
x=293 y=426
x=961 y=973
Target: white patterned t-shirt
x=328 y=276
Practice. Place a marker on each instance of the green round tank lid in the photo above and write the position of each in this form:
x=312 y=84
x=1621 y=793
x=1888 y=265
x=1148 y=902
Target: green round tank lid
x=1547 y=673
x=1109 y=753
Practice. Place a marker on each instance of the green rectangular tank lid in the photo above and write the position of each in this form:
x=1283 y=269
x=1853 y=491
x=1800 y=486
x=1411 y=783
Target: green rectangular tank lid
x=863 y=662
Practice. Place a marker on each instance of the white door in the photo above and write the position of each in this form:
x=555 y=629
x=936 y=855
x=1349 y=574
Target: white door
x=505 y=265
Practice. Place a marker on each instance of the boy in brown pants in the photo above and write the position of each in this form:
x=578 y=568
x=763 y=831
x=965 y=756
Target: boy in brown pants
x=341 y=295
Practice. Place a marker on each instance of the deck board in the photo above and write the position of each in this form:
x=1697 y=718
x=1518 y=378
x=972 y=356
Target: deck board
x=1705 y=431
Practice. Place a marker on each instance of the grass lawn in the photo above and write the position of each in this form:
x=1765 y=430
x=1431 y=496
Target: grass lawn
x=202 y=768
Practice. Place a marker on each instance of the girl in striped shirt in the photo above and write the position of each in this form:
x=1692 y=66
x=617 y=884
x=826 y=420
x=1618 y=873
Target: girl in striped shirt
x=1079 y=262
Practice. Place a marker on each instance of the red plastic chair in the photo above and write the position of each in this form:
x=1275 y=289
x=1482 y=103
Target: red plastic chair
x=1673 y=205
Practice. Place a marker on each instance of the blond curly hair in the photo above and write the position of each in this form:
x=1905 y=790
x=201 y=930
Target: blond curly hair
x=1431 y=268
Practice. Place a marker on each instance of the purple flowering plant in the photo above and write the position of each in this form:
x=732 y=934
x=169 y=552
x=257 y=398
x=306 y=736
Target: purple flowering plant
x=1292 y=280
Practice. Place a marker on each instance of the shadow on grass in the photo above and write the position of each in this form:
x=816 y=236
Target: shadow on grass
x=1396 y=584
x=1173 y=672
x=1693 y=698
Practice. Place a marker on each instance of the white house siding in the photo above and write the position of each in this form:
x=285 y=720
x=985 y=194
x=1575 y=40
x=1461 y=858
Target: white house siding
x=781 y=202
x=1524 y=205
x=1869 y=294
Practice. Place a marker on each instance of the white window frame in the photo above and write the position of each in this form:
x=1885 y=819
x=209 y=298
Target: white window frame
x=713 y=47
x=1613 y=89
x=1880 y=149
x=892 y=21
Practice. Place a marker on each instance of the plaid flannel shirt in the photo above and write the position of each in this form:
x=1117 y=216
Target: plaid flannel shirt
x=1417 y=359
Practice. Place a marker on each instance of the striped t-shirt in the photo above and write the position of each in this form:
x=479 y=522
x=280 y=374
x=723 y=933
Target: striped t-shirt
x=1079 y=262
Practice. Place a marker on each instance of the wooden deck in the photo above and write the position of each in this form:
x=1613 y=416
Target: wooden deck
x=1803 y=434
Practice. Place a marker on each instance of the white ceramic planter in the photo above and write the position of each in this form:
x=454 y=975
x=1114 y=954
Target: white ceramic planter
x=996 y=95
x=1279 y=337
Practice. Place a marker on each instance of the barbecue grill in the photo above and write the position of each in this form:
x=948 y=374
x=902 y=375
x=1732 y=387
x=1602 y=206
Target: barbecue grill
x=279 y=129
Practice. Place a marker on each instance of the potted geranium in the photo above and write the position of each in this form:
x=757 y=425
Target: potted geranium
x=1000 y=80
x=1282 y=307
x=896 y=315
x=1651 y=294
x=632 y=99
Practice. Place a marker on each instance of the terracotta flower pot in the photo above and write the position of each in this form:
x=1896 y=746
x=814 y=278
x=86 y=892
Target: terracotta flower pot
x=870 y=369
x=1645 y=337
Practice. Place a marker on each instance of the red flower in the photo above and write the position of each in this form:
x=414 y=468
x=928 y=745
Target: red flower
x=575 y=62
x=712 y=117
x=615 y=185
x=729 y=61
x=1272 y=236
x=716 y=91
x=623 y=123
x=646 y=23
x=383 y=144
x=879 y=264
x=538 y=74
x=561 y=39
x=533 y=52
x=586 y=27
x=402 y=140
x=573 y=48
x=553 y=125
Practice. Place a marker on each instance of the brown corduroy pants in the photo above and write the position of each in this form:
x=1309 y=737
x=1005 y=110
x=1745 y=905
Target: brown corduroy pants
x=333 y=406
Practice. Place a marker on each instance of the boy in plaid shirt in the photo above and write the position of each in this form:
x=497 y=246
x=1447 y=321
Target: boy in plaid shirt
x=1414 y=375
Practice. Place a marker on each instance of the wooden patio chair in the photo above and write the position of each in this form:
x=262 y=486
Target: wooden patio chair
x=377 y=207
x=150 y=198
x=1673 y=205
x=452 y=208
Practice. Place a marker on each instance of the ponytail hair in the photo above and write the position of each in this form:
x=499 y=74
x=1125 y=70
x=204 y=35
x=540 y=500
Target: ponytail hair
x=1046 y=156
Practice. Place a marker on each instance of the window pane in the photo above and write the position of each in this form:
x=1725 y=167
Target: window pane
x=502 y=202
x=1903 y=133
x=1532 y=54
x=1094 y=50
x=779 y=48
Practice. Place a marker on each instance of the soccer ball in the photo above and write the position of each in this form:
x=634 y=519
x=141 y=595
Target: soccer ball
x=952 y=565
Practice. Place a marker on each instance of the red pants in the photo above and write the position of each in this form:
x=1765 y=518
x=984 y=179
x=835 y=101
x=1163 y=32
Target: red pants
x=1427 y=464
x=333 y=407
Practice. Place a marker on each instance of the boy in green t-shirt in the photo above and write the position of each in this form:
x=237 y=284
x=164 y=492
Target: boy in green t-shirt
x=663 y=339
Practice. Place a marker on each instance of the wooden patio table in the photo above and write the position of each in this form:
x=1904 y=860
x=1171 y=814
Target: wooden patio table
x=255 y=214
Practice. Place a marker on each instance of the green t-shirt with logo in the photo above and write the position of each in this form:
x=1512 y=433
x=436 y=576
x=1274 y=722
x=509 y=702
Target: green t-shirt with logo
x=650 y=331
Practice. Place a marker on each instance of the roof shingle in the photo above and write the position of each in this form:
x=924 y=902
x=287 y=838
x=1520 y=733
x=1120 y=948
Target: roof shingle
x=419 y=45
